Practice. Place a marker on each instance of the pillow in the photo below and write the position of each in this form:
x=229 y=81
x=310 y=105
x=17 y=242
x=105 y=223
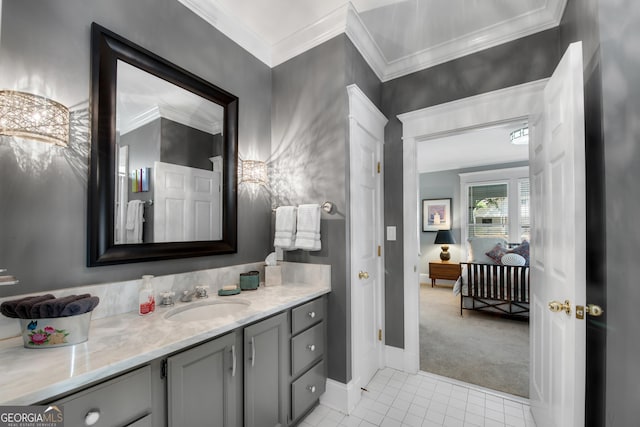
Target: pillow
x=513 y=259
x=496 y=253
x=479 y=246
x=522 y=250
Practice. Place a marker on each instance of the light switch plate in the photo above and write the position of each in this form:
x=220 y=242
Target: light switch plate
x=391 y=232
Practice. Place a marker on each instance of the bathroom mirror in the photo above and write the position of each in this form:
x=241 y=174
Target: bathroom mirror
x=162 y=180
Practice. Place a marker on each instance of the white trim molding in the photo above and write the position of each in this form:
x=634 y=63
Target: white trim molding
x=503 y=105
x=341 y=397
x=345 y=19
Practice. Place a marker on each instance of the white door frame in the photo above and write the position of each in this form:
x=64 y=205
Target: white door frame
x=345 y=397
x=499 y=106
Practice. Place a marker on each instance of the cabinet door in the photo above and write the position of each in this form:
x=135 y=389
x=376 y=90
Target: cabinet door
x=203 y=384
x=266 y=365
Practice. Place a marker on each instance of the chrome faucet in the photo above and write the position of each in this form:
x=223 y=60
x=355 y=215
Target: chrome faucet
x=200 y=291
x=187 y=296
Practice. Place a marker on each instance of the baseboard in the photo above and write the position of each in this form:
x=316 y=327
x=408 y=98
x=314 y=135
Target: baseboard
x=341 y=397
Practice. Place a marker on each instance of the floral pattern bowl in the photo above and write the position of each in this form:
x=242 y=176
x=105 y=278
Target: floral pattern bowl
x=55 y=332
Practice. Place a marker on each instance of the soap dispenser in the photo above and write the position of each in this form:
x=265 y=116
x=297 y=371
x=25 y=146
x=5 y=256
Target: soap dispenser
x=146 y=300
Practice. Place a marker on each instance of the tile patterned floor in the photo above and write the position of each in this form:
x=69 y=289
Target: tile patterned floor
x=396 y=399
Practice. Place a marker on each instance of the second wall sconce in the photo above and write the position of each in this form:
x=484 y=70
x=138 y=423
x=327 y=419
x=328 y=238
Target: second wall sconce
x=253 y=172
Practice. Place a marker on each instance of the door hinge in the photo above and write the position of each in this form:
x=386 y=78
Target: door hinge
x=379 y=250
x=379 y=334
x=379 y=167
x=163 y=369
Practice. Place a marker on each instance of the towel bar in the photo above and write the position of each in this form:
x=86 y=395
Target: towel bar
x=328 y=207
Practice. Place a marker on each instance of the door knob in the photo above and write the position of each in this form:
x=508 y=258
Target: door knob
x=557 y=306
x=363 y=275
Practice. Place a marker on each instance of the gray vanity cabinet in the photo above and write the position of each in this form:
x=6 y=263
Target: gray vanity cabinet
x=308 y=343
x=204 y=384
x=266 y=365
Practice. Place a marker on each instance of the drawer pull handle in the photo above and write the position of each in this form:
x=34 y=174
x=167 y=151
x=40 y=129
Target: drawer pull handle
x=311 y=314
x=92 y=417
x=311 y=347
x=253 y=352
x=233 y=363
x=311 y=388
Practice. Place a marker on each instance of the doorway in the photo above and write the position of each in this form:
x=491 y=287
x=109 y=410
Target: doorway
x=496 y=107
x=487 y=183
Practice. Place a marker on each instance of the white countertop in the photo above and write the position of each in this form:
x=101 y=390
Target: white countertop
x=122 y=342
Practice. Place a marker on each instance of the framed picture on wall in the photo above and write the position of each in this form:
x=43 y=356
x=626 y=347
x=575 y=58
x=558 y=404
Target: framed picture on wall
x=436 y=214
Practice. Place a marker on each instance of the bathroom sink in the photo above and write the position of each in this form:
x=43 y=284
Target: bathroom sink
x=205 y=310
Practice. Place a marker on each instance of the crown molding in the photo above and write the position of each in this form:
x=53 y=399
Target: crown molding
x=346 y=19
x=311 y=36
x=231 y=26
x=364 y=42
x=141 y=119
x=527 y=24
x=173 y=114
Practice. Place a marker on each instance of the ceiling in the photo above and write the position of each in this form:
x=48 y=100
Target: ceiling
x=143 y=97
x=477 y=147
x=395 y=37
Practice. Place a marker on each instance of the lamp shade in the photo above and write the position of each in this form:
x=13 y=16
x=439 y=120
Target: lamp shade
x=444 y=237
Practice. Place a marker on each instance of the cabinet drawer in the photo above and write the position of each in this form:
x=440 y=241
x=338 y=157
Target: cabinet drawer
x=306 y=315
x=119 y=401
x=444 y=271
x=307 y=348
x=306 y=390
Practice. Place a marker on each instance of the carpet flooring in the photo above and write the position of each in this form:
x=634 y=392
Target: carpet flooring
x=478 y=348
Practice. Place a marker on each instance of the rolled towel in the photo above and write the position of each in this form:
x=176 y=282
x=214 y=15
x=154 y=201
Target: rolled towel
x=80 y=306
x=52 y=308
x=23 y=309
x=8 y=308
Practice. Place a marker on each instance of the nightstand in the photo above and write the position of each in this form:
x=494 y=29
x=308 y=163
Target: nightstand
x=443 y=271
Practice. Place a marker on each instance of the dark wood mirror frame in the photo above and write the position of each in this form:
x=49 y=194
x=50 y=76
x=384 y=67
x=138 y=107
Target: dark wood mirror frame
x=106 y=49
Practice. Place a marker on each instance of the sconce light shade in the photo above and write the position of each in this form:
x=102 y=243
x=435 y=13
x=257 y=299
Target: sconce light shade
x=34 y=117
x=254 y=172
x=444 y=238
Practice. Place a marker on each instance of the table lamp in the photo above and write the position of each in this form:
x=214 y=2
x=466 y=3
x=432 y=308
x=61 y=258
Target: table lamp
x=444 y=238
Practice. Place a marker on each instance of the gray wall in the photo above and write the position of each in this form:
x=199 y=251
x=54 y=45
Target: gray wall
x=520 y=61
x=610 y=32
x=311 y=164
x=201 y=145
x=45 y=49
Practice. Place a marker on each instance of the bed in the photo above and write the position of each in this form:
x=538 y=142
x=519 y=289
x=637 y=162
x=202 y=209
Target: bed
x=496 y=288
x=485 y=284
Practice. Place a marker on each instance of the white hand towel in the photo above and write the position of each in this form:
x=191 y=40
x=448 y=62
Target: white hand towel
x=135 y=218
x=285 y=227
x=308 y=230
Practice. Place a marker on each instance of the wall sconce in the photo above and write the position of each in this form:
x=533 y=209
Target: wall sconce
x=253 y=172
x=33 y=117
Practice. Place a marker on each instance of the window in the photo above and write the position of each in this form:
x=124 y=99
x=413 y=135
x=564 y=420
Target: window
x=495 y=203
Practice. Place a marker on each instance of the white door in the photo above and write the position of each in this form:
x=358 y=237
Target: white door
x=557 y=380
x=366 y=133
x=187 y=204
